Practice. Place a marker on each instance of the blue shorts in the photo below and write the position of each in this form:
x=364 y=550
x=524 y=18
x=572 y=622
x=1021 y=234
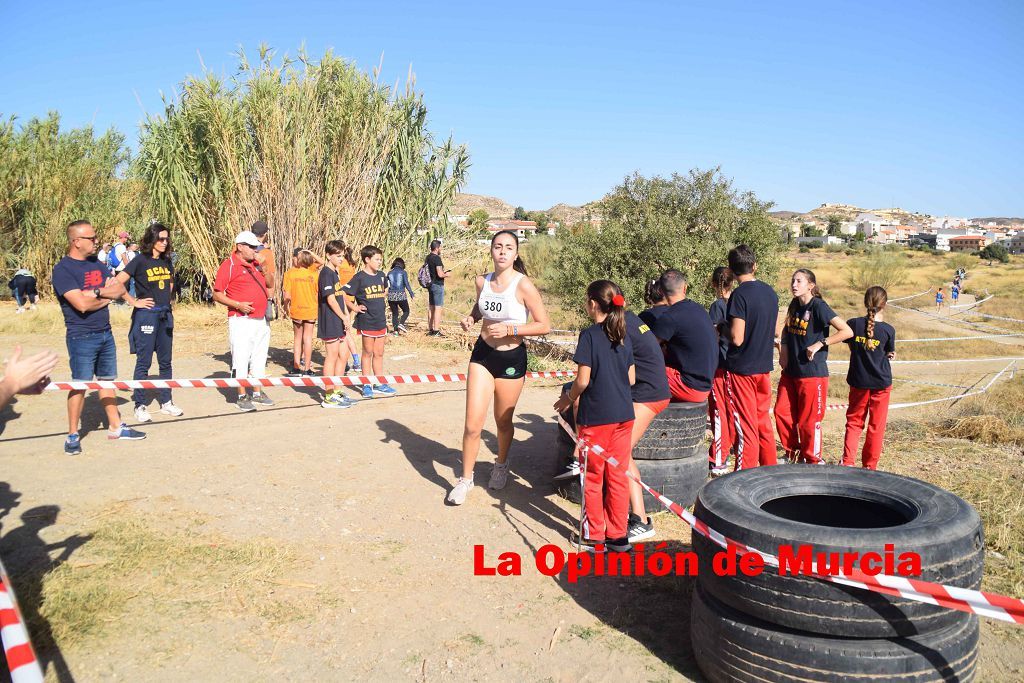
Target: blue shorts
x=435 y=295
x=93 y=356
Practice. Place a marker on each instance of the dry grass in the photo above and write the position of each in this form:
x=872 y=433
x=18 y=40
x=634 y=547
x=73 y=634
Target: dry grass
x=127 y=562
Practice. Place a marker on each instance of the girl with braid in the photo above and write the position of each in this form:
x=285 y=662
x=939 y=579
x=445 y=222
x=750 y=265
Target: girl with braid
x=872 y=346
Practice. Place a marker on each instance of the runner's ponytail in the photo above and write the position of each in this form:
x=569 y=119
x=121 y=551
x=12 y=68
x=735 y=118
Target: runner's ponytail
x=874 y=300
x=608 y=297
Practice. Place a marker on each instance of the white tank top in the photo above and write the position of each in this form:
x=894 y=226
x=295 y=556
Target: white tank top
x=501 y=307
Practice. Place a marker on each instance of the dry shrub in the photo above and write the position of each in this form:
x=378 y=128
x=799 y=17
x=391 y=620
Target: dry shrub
x=983 y=429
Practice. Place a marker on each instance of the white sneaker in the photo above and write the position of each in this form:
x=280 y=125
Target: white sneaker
x=499 y=475
x=458 y=494
x=142 y=414
x=719 y=471
x=21 y=310
x=571 y=472
x=170 y=409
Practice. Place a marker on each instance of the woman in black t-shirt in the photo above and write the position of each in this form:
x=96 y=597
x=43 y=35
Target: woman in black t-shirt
x=803 y=387
x=654 y=297
x=872 y=346
x=152 y=329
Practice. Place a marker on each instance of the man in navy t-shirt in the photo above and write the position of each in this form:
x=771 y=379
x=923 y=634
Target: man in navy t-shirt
x=752 y=314
x=80 y=282
x=691 y=344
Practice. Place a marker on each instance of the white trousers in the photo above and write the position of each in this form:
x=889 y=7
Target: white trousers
x=250 y=341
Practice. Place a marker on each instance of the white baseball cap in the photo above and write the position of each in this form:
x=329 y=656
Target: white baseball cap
x=246 y=237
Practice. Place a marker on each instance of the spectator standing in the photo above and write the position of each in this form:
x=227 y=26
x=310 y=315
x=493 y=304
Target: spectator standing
x=129 y=255
x=116 y=258
x=399 y=293
x=241 y=286
x=435 y=293
x=79 y=281
x=872 y=347
x=346 y=269
x=103 y=253
x=330 y=323
x=368 y=288
x=721 y=411
x=152 y=331
x=265 y=255
x=803 y=355
x=752 y=314
x=299 y=289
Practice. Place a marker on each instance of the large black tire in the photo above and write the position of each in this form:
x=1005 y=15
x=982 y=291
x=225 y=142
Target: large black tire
x=676 y=432
x=678 y=480
x=839 y=509
x=732 y=646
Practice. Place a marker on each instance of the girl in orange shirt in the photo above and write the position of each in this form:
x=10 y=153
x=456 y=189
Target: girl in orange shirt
x=300 y=301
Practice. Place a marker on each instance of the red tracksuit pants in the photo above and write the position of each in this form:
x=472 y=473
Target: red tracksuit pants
x=723 y=421
x=606 y=494
x=799 y=410
x=755 y=438
x=873 y=405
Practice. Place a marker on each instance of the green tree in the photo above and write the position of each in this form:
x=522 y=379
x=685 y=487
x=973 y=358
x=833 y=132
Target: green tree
x=318 y=148
x=683 y=221
x=886 y=269
x=835 y=225
x=995 y=252
x=540 y=218
x=809 y=230
x=49 y=177
x=478 y=221
x=519 y=214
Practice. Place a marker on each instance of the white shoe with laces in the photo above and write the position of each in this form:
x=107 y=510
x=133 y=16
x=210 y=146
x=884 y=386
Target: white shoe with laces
x=170 y=409
x=499 y=475
x=142 y=414
x=458 y=494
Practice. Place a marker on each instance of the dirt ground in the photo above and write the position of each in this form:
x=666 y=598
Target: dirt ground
x=372 y=576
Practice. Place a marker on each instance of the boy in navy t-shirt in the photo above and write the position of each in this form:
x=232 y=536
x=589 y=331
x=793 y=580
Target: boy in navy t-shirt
x=752 y=314
x=604 y=418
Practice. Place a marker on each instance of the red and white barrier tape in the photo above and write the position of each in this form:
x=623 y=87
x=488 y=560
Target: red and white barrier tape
x=231 y=382
x=974 y=336
x=21 y=658
x=966 y=600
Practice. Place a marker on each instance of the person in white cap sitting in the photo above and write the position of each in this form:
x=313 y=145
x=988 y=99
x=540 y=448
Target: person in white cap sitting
x=241 y=286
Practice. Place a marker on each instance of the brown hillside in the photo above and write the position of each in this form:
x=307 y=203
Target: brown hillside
x=465 y=203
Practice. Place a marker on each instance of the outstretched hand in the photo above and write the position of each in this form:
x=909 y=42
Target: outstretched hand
x=466 y=323
x=28 y=375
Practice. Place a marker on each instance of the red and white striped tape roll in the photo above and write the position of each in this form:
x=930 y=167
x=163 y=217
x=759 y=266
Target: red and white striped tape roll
x=964 y=599
x=230 y=382
x=21 y=658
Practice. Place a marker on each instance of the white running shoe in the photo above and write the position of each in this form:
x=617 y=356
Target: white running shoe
x=719 y=471
x=20 y=310
x=458 y=494
x=142 y=414
x=499 y=475
x=170 y=409
x=571 y=472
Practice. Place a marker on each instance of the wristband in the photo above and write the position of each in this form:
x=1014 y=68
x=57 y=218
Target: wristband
x=824 y=342
x=515 y=331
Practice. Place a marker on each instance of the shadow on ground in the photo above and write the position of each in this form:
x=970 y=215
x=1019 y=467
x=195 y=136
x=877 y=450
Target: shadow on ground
x=29 y=559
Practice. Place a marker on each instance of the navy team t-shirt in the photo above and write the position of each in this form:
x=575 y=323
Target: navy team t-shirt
x=651 y=315
x=869 y=358
x=807 y=326
x=757 y=304
x=651 y=382
x=70 y=274
x=717 y=313
x=607 y=399
x=370 y=291
x=691 y=343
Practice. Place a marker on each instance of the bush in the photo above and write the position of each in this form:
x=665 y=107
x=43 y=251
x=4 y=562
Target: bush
x=995 y=252
x=835 y=248
x=883 y=268
x=804 y=249
x=650 y=224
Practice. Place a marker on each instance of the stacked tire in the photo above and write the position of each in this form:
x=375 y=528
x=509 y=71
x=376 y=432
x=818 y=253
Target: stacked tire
x=773 y=627
x=671 y=456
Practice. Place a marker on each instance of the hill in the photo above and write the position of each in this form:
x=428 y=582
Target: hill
x=466 y=203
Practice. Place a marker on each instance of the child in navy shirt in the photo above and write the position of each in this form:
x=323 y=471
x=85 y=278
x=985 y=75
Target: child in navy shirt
x=605 y=373
x=872 y=346
x=751 y=315
x=803 y=387
x=720 y=410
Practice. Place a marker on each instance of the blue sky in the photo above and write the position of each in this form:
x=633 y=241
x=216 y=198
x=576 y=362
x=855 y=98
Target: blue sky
x=917 y=104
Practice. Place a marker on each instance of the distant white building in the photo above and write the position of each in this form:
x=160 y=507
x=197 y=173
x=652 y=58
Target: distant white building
x=868 y=224
x=848 y=228
x=819 y=240
x=949 y=222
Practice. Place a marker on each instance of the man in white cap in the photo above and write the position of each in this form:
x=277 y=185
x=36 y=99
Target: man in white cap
x=241 y=286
